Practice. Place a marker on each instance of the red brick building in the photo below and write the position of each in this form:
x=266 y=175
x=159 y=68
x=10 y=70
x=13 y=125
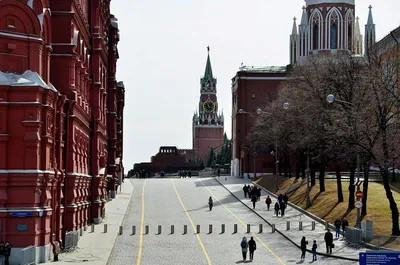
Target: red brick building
x=61 y=119
x=252 y=87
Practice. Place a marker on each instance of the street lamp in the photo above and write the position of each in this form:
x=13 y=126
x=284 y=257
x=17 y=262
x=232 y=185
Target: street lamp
x=331 y=98
x=286 y=106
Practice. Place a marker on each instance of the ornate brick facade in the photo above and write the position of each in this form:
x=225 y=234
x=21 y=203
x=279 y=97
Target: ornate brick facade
x=61 y=119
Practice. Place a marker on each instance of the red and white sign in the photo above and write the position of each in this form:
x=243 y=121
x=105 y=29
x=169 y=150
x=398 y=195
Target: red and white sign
x=359 y=194
x=358 y=204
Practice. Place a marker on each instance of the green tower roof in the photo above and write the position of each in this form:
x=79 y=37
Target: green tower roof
x=208 y=72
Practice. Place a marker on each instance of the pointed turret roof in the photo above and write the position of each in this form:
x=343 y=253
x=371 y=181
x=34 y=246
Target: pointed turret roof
x=370 y=18
x=294 y=30
x=208 y=72
x=357 y=28
x=304 y=17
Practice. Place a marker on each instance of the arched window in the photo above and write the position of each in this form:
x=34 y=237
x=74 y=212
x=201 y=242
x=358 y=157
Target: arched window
x=333 y=37
x=350 y=37
x=315 y=37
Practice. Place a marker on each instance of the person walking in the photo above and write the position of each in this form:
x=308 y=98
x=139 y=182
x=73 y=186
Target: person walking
x=252 y=247
x=276 y=208
x=303 y=247
x=314 y=251
x=282 y=206
x=7 y=253
x=2 y=251
x=244 y=245
x=328 y=241
x=268 y=202
x=344 y=224
x=210 y=203
x=285 y=199
x=254 y=200
x=337 y=226
x=219 y=172
x=245 y=190
x=190 y=174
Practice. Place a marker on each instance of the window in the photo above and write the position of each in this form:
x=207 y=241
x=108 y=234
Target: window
x=334 y=37
x=315 y=37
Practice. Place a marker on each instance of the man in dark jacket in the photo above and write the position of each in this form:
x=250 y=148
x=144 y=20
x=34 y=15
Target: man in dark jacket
x=2 y=249
x=328 y=241
x=337 y=226
x=252 y=247
x=7 y=253
x=245 y=190
x=254 y=200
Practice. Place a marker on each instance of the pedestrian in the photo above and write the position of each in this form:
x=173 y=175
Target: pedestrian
x=210 y=203
x=268 y=202
x=2 y=250
x=219 y=172
x=328 y=241
x=252 y=247
x=7 y=253
x=280 y=198
x=244 y=245
x=314 y=251
x=190 y=174
x=282 y=207
x=303 y=247
x=277 y=208
x=254 y=200
x=285 y=198
x=245 y=190
x=258 y=194
x=185 y=173
x=337 y=226
x=344 y=224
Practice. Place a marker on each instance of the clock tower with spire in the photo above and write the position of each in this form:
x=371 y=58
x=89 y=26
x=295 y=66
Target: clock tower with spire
x=208 y=122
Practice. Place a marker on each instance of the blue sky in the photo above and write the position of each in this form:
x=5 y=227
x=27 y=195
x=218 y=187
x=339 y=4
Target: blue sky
x=163 y=55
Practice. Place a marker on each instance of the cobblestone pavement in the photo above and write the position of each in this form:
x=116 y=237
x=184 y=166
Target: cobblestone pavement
x=179 y=202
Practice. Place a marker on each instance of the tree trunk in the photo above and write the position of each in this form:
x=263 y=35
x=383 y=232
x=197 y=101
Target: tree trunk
x=298 y=165
x=352 y=188
x=365 y=190
x=339 y=183
x=322 y=175
x=303 y=165
x=286 y=165
x=392 y=203
x=313 y=169
x=290 y=166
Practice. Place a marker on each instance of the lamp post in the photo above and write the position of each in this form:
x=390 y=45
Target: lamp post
x=286 y=106
x=331 y=98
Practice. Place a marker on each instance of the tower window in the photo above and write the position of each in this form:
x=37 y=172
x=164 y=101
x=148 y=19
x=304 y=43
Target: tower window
x=334 y=37
x=315 y=37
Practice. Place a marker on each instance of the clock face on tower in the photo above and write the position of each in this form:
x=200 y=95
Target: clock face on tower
x=208 y=106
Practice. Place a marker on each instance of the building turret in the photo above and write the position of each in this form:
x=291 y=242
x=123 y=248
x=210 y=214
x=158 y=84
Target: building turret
x=294 y=39
x=369 y=32
x=358 y=38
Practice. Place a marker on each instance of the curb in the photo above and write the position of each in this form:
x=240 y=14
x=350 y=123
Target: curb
x=277 y=230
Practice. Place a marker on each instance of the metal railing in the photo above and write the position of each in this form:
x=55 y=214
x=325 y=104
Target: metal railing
x=28 y=255
x=71 y=240
x=353 y=236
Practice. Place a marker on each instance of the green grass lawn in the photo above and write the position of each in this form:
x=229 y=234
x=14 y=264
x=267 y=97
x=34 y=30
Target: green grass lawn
x=325 y=205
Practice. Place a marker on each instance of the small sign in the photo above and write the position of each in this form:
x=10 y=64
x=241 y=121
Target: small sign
x=380 y=258
x=22 y=227
x=21 y=214
x=40 y=214
x=359 y=194
x=358 y=204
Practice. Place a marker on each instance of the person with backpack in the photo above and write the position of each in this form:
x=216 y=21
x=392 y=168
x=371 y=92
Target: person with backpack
x=314 y=251
x=303 y=247
x=268 y=202
x=252 y=247
x=277 y=208
x=244 y=245
x=254 y=200
x=337 y=226
x=210 y=203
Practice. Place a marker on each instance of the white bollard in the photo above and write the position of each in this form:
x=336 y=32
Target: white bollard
x=210 y=229
x=120 y=230
x=92 y=228
x=172 y=229
x=159 y=229
x=300 y=225
x=260 y=228
x=105 y=228
x=198 y=229
x=287 y=225
x=222 y=228
x=185 y=229
x=146 y=230
x=235 y=228
x=133 y=229
x=273 y=228
x=313 y=225
x=248 y=229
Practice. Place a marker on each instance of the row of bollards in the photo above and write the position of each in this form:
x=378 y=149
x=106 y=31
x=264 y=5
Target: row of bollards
x=210 y=228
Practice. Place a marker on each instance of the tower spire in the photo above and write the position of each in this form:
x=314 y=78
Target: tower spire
x=369 y=31
x=208 y=72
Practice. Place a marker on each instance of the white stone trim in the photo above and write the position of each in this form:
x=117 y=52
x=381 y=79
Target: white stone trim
x=25 y=171
x=263 y=78
x=19 y=36
x=25 y=209
x=78 y=174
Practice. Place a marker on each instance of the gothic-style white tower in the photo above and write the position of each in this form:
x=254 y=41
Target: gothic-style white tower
x=329 y=27
x=369 y=31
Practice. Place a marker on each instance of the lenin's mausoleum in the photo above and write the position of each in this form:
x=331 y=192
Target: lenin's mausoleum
x=61 y=120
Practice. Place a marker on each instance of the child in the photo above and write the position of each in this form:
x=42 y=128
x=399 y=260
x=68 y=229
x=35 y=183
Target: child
x=314 y=251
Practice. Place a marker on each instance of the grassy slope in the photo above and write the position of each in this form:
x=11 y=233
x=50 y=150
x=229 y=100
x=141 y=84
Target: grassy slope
x=325 y=206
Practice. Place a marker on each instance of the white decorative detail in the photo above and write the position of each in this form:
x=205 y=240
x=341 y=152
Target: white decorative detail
x=28 y=78
x=30 y=3
x=316 y=2
x=41 y=17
